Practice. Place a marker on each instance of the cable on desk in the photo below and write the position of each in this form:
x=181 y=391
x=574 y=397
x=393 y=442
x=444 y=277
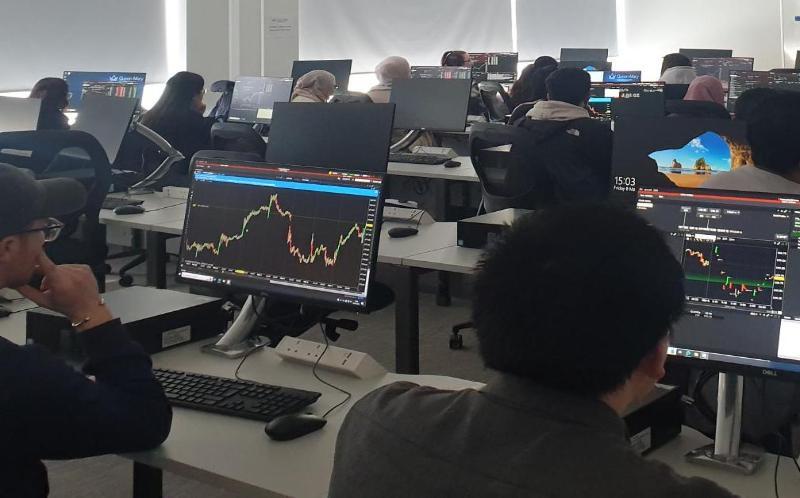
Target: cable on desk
x=164 y=207
x=347 y=394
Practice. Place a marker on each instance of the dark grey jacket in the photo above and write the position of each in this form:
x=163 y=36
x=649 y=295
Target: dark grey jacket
x=510 y=439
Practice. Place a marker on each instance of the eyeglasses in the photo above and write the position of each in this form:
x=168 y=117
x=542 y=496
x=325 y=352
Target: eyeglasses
x=51 y=230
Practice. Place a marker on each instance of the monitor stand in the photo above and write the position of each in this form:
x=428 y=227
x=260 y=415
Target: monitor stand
x=238 y=341
x=725 y=452
x=406 y=141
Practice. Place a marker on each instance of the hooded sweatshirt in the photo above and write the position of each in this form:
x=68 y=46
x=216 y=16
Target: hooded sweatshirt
x=679 y=75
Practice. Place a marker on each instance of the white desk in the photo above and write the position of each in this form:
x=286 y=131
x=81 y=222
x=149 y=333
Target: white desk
x=463 y=173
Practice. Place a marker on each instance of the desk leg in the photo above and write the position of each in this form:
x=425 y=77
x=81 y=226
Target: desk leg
x=156 y=260
x=406 y=321
x=147 y=481
x=443 y=297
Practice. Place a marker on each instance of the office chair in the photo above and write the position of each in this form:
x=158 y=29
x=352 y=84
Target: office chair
x=87 y=163
x=495 y=100
x=696 y=109
x=237 y=137
x=223 y=106
x=675 y=92
x=520 y=112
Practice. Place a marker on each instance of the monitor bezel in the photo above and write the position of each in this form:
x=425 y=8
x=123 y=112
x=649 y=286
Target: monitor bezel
x=438 y=130
x=287 y=297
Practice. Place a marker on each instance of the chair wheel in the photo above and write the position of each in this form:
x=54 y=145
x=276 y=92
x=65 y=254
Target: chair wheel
x=456 y=342
x=126 y=280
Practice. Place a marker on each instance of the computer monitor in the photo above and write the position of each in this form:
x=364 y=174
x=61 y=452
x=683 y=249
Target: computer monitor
x=589 y=66
x=19 y=114
x=340 y=69
x=584 y=54
x=338 y=136
x=611 y=101
x=670 y=152
x=254 y=98
x=785 y=81
x=797 y=60
x=705 y=53
x=721 y=67
x=441 y=72
x=107 y=119
x=128 y=85
x=741 y=81
x=615 y=76
x=304 y=234
x=740 y=257
x=499 y=66
x=433 y=105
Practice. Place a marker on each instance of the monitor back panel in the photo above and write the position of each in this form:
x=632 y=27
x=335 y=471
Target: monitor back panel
x=338 y=136
x=584 y=54
x=108 y=119
x=19 y=114
x=705 y=52
x=431 y=104
x=339 y=68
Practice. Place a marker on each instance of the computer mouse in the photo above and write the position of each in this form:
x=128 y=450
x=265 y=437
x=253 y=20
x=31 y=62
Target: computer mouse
x=129 y=210
x=293 y=426
x=452 y=164
x=402 y=232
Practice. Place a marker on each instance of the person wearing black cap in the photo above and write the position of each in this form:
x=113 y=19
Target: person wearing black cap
x=47 y=409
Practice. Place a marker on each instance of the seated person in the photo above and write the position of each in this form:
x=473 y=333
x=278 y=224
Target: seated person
x=460 y=58
x=571 y=353
x=544 y=61
x=390 y=69
x=54 y=94
x=315 y=87
x=529 y=89
x=772 y=131
x=677 y=70
x=178 y=117
x=704 y=99
x=48 y=410
x=567 y=147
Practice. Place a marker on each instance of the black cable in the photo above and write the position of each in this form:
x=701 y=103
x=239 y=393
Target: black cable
x=163 y=207
x=244 y=358
x=314 y=372
x=777 y=464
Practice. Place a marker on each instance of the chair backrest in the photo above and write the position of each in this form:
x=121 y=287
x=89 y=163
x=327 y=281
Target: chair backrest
x=504 y=181
x=223 y=106
x=696 y=109
x=237 y=137
x=675 y=92
x=492 y=95
x=351 y=98
x=520 y=112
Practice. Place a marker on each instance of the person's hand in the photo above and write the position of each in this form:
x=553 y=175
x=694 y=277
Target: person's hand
x=70 y=290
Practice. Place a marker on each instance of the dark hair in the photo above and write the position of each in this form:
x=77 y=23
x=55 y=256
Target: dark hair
x=455 y=58
x=176 y=100
x=531 y=86
x=749 y=100
x=574 y=298
x=544 y=61
x=54 y=93
x=772 y=131
x=675 y=60
x=569 y=85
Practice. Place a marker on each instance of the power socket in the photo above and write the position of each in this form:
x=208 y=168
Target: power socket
x=339 y=360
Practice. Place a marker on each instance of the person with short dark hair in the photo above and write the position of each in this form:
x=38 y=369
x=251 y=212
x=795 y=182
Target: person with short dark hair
x=749 y=100
x=676 y=69
x=544 y=61
x=568 y=155
x=568 y=317
x=773 y=126
x=456 y=58
x=178 y=117
x=54 y=94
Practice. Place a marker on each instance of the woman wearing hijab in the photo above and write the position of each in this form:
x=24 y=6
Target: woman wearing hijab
x=54 y=94
x=390 y=69
x=704 y=99
x=315 y=87
x=677 y=70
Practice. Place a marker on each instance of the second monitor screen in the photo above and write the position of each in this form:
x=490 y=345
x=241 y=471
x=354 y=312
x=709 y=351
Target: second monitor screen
x=254 y=98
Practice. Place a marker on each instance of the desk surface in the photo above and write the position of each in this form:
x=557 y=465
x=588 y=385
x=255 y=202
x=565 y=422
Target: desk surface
x=161 y=215
x=463 y=173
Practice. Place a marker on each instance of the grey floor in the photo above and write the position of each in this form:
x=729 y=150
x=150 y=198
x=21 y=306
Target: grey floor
x=110 y=476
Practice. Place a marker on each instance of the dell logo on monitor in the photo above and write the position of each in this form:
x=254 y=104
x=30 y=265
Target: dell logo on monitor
x=769 y=373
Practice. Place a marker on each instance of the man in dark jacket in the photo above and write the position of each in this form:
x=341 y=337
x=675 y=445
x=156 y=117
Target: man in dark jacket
x=568 y=154
x=47 y=409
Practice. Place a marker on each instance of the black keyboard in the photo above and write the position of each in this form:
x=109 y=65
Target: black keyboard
x=115 y=202
x=232 y=397
x=407 y=157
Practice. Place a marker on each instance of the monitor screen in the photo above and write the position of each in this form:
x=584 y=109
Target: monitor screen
x=586 y=65
x=741 y=81
x=610 y=101
x=340 y=69
x=433 y=105
x=669 y=152
x=107 y=119
x=740 y=256
x=128 y=85
x=305 y=234
x=622 y=77
x=340 y=136
x=19 y=114
x=442 y=73
x=254 y=98
x=721 y=68
x=584 y=54
x=701 y=53
x=499 y=67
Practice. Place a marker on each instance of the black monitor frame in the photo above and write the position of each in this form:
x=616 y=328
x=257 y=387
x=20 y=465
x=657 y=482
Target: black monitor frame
x=583 y=54
x=339 y=68
x=586 y=65
x=439 y=72
x=276 y=290
x=706 y=53
x=417 y=99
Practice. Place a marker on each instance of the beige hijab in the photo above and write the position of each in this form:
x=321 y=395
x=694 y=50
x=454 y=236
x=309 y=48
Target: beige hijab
x=316 y=86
